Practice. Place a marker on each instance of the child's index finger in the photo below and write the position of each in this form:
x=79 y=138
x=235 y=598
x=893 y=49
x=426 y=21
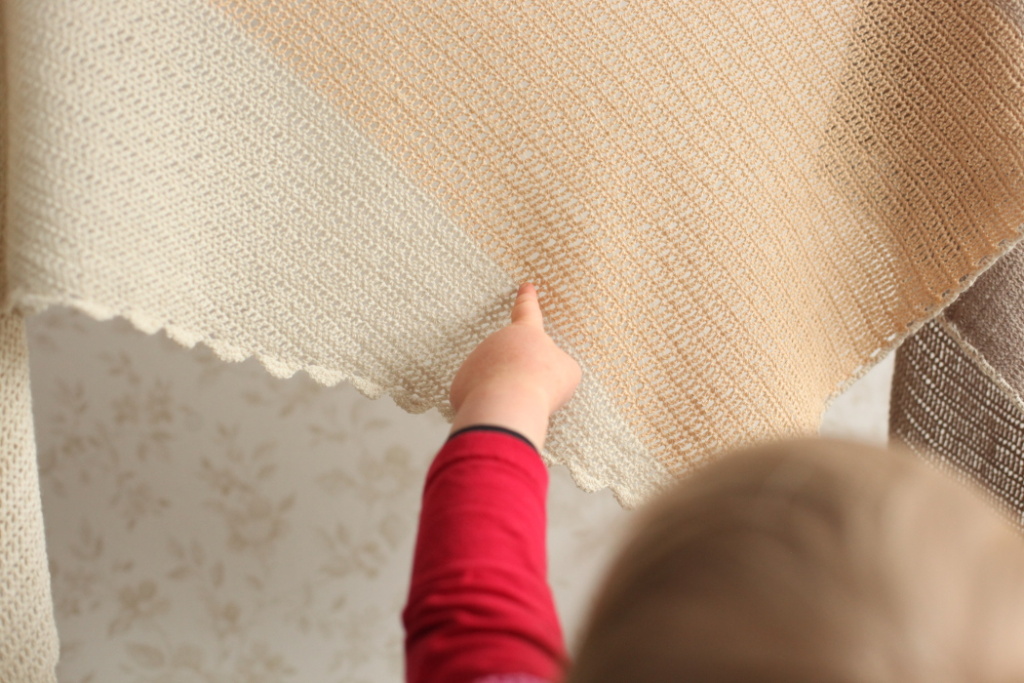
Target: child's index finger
x=527 y=306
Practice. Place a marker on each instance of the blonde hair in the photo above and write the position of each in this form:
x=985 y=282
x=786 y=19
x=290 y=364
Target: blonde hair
x=812 y=560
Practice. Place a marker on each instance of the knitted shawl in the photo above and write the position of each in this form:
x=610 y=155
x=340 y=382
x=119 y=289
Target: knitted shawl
x=732 y=210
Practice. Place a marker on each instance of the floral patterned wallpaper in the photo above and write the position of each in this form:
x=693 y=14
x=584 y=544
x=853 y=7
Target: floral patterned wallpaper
x=207 y=522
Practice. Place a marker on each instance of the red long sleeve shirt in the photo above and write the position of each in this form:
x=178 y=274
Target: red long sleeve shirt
x=479 y=604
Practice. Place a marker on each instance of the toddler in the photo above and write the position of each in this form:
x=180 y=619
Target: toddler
x=810 y=560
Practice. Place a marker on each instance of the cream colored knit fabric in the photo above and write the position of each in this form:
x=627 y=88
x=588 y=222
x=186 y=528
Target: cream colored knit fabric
x=28 y=634
x=732 y=209
x=28 y=645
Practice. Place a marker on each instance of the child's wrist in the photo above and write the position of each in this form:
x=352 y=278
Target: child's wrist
x=525 y=412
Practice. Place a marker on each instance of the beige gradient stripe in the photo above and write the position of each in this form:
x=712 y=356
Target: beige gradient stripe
x=733 y=207
x=222 y=200
x=611 y=296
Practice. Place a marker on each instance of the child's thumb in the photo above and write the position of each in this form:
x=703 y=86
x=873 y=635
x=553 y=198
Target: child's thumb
x=527 y=306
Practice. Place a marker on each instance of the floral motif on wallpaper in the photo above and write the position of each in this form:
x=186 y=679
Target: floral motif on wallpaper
x=207 y=522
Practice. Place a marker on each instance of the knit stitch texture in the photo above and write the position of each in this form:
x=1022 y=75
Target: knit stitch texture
x=732 y=210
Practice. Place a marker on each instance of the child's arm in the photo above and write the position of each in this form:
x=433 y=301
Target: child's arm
x=479 y=603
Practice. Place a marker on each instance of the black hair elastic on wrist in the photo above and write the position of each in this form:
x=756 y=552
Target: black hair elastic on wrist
x=492 y=428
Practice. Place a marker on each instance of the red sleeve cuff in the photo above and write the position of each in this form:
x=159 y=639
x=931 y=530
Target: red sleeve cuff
x=494 y=428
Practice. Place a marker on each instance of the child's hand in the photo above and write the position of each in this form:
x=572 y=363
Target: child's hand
x=517 y=377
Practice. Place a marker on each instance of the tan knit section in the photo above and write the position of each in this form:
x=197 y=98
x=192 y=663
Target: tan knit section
x=732 y=207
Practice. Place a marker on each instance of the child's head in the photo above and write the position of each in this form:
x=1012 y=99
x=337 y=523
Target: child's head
x=812 y=560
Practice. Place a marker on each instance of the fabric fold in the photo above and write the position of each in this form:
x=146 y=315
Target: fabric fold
x=958 y=387
x=29 y=646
